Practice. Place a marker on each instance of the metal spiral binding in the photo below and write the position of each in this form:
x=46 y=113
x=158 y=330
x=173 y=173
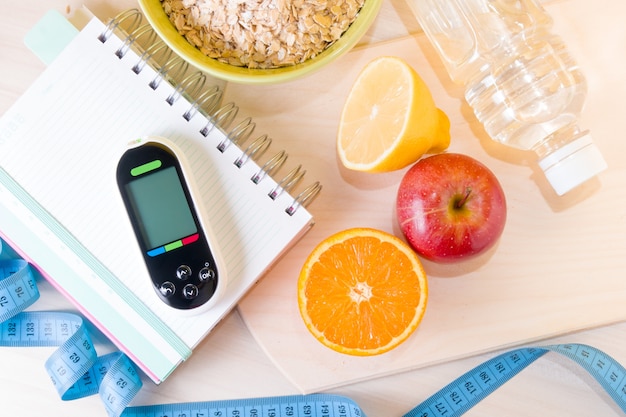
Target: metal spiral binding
x=223 y=117
x=118 y=20
x=208 y=100
x=240 y=133
x=191 y=85
x=134 y=37
x=304 y=198
x=270 y=167
x=254 y=150
x=288 y=182
x=173 y=68
x=150 y=52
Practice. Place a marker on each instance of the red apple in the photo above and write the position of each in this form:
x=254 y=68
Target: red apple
x=450 y=207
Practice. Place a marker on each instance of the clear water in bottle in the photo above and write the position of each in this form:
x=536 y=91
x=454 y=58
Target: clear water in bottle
x=519 y=78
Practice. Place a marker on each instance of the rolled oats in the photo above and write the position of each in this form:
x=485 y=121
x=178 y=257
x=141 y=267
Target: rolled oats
x=262 y=33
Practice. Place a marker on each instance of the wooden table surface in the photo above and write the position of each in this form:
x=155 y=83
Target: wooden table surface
x=229 y=364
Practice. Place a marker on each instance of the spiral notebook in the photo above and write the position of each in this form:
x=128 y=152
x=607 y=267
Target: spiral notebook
x=59 y=202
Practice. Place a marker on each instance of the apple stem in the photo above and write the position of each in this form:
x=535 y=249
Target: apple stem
x=463 y=200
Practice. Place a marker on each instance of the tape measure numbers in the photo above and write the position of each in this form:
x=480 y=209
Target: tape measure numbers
x=468 y=390
x=313 y=405
x=76 y=370
x=18 y=289
x=453 y=400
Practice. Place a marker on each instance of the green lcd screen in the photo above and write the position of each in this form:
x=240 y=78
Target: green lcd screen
x=159 y=203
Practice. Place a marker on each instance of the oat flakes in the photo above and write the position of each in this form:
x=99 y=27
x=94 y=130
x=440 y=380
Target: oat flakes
x=261 y=33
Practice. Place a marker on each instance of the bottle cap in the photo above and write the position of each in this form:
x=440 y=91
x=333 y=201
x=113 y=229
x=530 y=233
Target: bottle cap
x=573 y=164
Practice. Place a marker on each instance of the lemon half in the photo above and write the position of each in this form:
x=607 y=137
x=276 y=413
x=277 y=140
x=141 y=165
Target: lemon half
x=389 y=119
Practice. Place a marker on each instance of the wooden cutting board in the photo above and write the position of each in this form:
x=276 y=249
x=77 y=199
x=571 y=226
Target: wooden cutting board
x=559 y=267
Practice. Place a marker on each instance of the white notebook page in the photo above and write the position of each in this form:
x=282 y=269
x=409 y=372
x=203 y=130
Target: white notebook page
x=61 y=143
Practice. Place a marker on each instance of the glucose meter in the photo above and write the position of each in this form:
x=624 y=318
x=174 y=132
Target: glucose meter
x=170 y=225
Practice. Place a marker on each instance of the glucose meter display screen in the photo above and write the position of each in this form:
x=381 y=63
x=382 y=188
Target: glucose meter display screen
x=159 y=203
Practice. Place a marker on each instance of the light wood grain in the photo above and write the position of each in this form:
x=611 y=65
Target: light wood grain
x=557 y=268
x=230 y=364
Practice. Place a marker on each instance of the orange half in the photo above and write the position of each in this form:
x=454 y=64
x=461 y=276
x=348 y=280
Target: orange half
x=362 y=292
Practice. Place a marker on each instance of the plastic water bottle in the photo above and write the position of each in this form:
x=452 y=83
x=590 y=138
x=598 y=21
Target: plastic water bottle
x=519 y=78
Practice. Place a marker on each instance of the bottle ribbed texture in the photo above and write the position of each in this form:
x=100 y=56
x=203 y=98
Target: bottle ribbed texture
x=520 y=80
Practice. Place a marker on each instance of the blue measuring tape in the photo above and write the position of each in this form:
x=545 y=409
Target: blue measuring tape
x=74 y=368
x=77 y=371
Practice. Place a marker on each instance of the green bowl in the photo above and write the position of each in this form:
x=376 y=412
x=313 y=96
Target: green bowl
x=153 y=10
